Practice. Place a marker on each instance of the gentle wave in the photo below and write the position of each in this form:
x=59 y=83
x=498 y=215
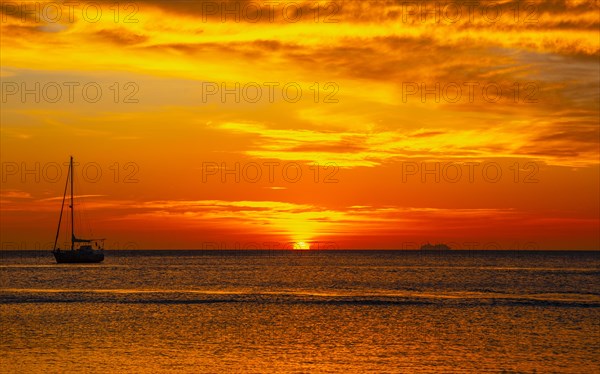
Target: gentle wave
x=165 y=296
x=395 y=268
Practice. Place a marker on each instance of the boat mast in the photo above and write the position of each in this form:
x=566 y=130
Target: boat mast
x=72 y=220
x=62 y=208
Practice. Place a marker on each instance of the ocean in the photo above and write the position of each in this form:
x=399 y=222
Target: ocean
x=302 y=311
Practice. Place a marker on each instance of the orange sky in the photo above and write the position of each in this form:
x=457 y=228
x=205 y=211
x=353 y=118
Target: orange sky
x=388 y=121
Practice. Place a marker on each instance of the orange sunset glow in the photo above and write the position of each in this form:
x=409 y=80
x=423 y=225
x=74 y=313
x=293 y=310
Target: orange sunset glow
x=303 y=124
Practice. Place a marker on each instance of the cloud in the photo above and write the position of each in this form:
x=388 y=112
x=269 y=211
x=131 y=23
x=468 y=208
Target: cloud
x=121 y=37
x=373 y=149
x=13 y=194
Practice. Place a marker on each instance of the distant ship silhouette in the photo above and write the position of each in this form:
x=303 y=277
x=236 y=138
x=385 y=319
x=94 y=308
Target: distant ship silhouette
x=82 y=250
x=436 y=247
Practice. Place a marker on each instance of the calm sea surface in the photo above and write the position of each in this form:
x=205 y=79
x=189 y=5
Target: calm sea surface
x=186 y=311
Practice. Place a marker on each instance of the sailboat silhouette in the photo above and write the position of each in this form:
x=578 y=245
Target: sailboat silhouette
x=82 y=250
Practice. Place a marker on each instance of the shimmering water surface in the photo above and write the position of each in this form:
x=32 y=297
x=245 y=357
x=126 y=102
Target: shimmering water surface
x=186 y=311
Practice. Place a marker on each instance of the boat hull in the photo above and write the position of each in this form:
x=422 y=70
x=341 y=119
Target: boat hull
x=78 y=257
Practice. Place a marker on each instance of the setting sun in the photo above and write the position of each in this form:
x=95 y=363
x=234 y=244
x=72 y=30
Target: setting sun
x=301 y=246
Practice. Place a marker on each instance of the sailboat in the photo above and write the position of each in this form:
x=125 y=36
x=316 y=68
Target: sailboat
x=82 y=250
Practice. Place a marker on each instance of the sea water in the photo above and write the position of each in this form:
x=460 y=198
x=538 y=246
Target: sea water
x=302 y=311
